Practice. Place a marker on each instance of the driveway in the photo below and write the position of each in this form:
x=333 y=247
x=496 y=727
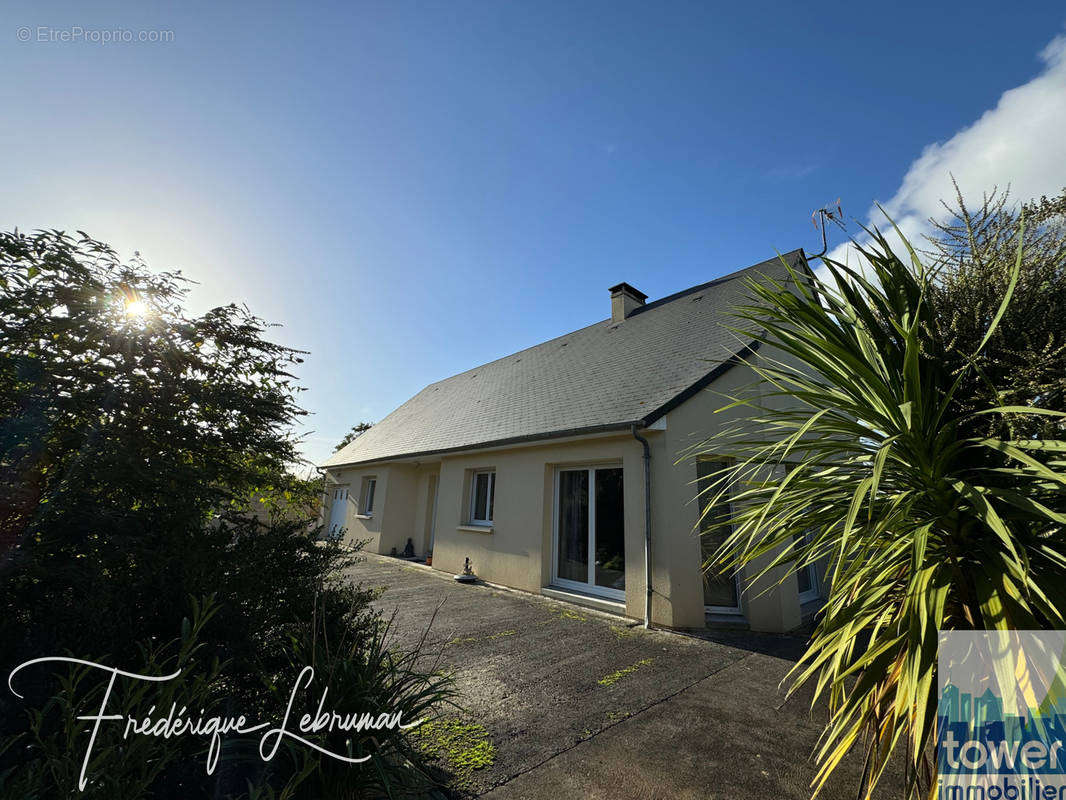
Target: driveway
x=582 y=704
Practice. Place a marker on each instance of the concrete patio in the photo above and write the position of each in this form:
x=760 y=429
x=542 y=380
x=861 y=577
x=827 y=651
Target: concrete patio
x=582 y=704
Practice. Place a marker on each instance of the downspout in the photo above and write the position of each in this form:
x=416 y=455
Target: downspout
x=324 y=499
x=647 y=524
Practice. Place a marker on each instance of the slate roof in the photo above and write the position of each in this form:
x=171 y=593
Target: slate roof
x=603 y=377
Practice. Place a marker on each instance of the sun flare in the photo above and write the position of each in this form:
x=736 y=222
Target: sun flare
x=136 y=308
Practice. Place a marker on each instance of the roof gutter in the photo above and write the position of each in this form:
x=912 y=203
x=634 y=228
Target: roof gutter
x=529 y=438
x=647 y=525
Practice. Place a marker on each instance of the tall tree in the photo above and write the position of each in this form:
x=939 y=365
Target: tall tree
x=126 y=425
x=131 y=436
x=118 y=404
x=972 y=254
x=350 y=436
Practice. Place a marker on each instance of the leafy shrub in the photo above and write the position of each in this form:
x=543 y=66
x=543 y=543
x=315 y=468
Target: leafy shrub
x=49 y=754
x=973 y=256
x=132 y=438
x=359 y=674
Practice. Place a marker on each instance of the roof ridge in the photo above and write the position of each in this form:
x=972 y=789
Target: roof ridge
x=639 y=310
x=599 y=377
x=731 y=276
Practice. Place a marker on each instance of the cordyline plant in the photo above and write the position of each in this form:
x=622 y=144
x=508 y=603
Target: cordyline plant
x=855 y=456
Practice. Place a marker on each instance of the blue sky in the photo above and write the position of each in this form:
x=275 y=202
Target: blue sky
x=412 y=189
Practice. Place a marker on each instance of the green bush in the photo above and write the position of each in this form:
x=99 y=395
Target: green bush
x=973 y=256
x=132 y=439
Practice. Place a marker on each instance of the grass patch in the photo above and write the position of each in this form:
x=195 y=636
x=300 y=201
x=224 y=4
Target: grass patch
x=461 y=747
x=618 y=716
x=501 y=634
x=617 y=675
x=622 y=631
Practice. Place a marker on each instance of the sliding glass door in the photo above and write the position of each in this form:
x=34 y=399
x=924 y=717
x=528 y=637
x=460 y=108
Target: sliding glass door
x=589 y=550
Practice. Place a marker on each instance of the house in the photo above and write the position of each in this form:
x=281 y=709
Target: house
x=557 y=469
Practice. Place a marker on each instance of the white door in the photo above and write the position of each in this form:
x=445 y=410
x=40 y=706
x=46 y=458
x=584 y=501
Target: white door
x=431 y=515
x=338 y=513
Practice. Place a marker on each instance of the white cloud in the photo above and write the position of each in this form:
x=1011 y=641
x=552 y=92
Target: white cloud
x=1020 y=142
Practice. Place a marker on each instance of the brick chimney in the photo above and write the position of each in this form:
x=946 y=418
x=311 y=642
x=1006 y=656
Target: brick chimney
x=624 y=301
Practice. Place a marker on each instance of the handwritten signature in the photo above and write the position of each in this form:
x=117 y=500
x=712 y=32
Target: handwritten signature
x=178 y=723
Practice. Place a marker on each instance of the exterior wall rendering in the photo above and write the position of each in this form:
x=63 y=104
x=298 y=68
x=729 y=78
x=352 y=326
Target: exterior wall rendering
x=436 y=502
x=528 y=465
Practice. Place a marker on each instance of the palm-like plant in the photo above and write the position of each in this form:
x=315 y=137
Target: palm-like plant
x=855 y=454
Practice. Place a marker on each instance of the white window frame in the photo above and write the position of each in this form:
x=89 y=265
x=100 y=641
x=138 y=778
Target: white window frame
x=738 y=609
x=812 y=570
x=490 y=498
x=370 y=488
x=815 y=592
x=591 y=587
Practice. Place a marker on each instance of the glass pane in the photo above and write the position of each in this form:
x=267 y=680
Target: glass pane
x=492 y=493
x=370 y=485
x=610 y=529
x=805 y=576
x=481 y=495
x=573 y=552
x=718 y=589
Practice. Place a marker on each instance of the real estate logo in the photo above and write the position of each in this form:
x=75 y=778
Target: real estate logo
x=1001 y=718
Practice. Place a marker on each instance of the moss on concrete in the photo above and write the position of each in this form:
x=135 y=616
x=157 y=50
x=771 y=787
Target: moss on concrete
x=566 y=613
x=460 y=640
x=467 y=639
x=461 y=747
x=617 y=675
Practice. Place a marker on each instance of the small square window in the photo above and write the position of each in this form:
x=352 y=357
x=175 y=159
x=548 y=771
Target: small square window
x=482 y=496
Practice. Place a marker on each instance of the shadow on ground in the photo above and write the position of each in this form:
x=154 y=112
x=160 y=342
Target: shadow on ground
x=581 y=704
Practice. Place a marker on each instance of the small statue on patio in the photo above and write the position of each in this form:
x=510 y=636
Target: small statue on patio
x=467 y=575
x=409 y=551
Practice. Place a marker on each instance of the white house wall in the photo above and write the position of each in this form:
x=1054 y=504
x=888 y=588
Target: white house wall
x=517 y=550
